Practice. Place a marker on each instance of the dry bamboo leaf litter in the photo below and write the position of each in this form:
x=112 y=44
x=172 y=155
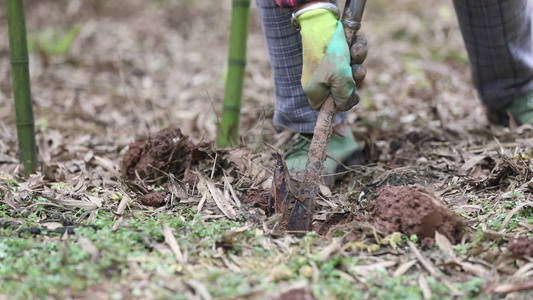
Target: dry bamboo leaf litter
x=173 y=245
x=221 y=201
x=91 y=103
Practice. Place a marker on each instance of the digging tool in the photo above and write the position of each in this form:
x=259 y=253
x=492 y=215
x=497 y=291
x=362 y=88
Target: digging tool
x=302 y=214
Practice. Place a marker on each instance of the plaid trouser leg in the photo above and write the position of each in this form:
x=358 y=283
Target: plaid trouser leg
x=499 y=41
x=285 y=51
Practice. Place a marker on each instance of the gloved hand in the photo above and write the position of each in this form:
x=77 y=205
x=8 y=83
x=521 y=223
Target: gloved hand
x=326 y=60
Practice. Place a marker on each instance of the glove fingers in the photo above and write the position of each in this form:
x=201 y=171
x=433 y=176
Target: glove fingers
x=359 y=74
x=341 y=85
x=352 y=101
x=360 y=39
x=343 y=95
x=344 y=99
x=358 y=51
x=317 y=94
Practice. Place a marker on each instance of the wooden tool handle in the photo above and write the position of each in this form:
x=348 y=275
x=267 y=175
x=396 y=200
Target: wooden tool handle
x=351 y=18
x=302 y=214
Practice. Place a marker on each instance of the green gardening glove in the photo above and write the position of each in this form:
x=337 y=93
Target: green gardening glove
x=326 y=60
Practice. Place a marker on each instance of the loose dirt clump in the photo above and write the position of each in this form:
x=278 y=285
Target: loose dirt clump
x=414 y=210
x=155 y=199
x=167 y=151
x=521 y=246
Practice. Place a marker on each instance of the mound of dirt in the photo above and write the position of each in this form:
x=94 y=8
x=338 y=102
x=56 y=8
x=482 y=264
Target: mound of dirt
x=167 y=151
x=521 y=246
x=154 y=199
x=414 y=210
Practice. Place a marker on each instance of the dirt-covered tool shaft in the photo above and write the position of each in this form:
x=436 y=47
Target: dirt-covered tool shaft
x=351 y=18
x=302 y=213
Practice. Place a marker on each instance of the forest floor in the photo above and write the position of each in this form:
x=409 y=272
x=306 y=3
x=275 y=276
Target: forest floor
x=109 y=73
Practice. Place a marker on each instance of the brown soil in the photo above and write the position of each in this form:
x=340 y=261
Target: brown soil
x=167 y=151
x=258 y=198
x=335 y=221
x=414 y=210
x=155 y=199
x=190 y=179
x=521 y=246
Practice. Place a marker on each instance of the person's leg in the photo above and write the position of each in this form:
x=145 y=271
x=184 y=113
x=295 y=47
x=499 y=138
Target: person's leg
x=292 y=107
x=499 y=40
x=285 y=51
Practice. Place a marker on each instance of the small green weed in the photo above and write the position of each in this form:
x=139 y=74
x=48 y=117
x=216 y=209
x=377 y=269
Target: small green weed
x=53 y=42
x=516 y=195
x=412 y=67
x=61 y=186
x=474 y=286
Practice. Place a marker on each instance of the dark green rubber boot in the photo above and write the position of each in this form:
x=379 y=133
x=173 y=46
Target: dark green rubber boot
x=521 y=109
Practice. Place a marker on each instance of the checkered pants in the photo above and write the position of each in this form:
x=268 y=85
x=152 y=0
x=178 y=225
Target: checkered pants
x=285 y=51
x=498 y=37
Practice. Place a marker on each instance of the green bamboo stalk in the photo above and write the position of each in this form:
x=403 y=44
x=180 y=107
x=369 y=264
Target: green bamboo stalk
x=228 y=133
x=18 y=52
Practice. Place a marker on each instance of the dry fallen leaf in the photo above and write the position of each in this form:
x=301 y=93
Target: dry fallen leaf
x=228 y=187
x=96 y=200
x=444 y=244
x=513 y=212
x=223 y=204
x=366 y=270
x=475 y=269
x=324 y=190
x=173 y=244
x=75 y=204
x=403 y=268
x=424 y=286
x=106 y=163
x=514 y=287
x=51 y=225
x=116 y=225
x=200 y=289
x=202 y=202
x=123 y=203
x=88 y=246
x=524 y=271
x=326 y=253
x=469 y=164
